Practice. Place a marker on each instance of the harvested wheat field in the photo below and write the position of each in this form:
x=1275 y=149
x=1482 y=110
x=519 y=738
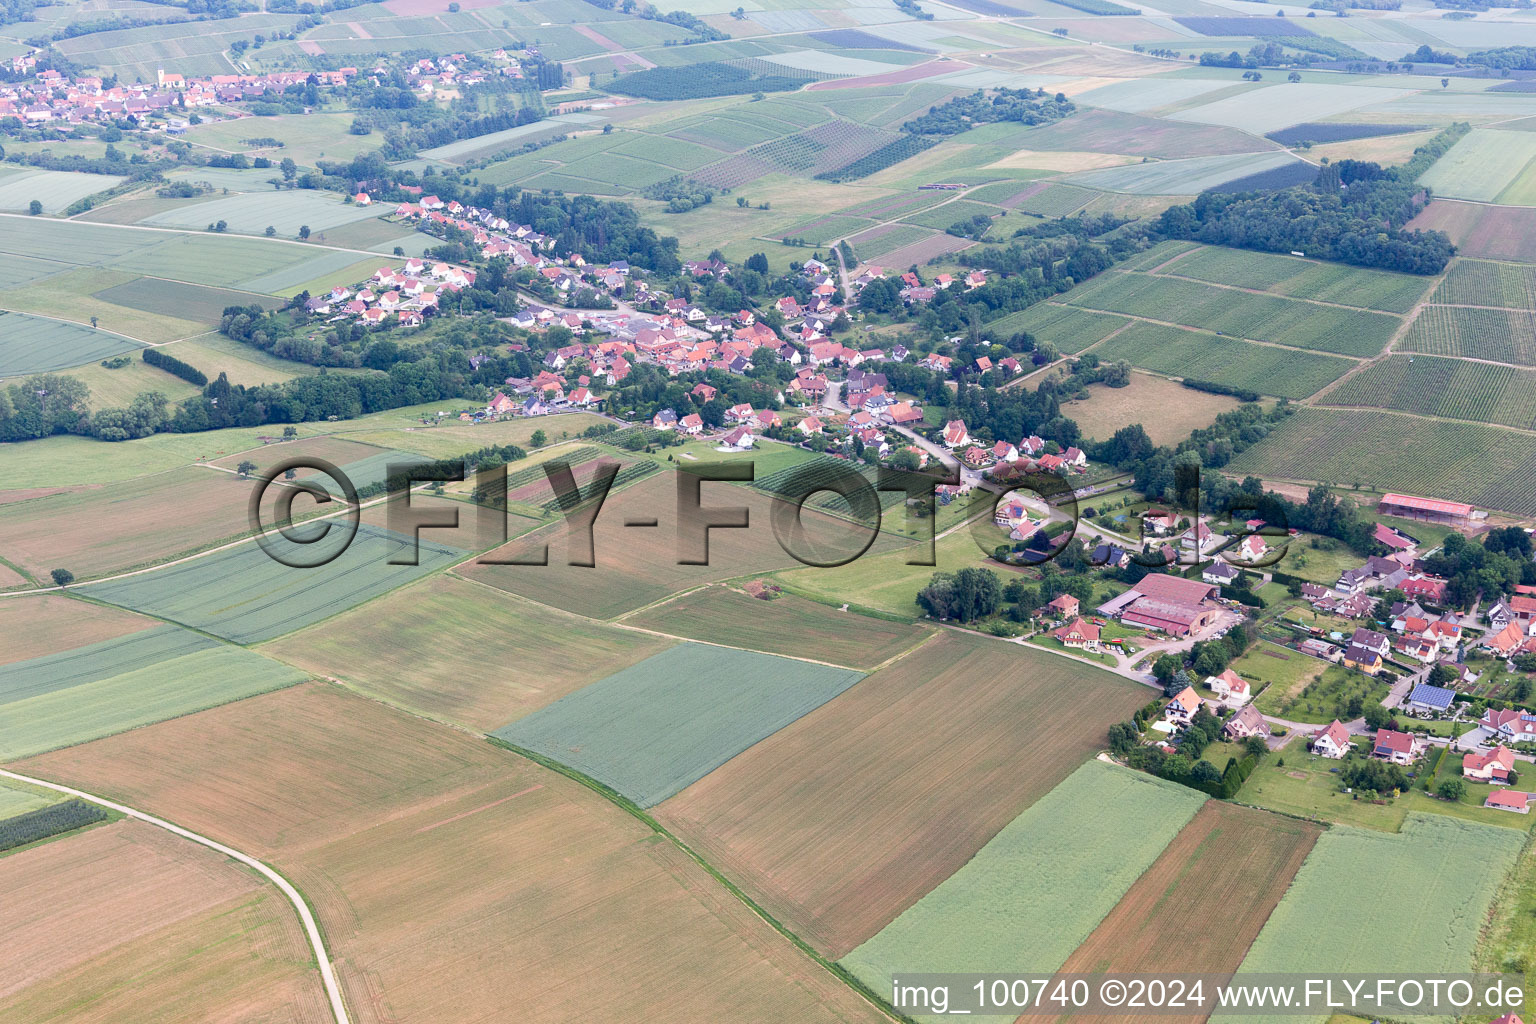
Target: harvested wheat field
x=495 y=657
x=129 y=922
x=1201 y=904
x=449 y=875
x=841 y=821
x=41 y=624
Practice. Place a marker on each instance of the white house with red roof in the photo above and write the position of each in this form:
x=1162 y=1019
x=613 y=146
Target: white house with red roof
x=1515 y=726
x=693 y=423
x=1332 y=741
x=1078 y=634
x=1251 y=548
x=1493 y=766
x=1395 y=747
x=738 y=440
x=955 y=434
x=1232 y=688
x=1182 y=707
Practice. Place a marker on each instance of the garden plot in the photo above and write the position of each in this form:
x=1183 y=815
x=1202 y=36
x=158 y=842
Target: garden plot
x=655 y=727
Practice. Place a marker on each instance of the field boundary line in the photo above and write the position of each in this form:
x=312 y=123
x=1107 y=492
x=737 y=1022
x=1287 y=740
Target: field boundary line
x=635 y=810
x=311 y=927
x=1234 y=337
x=79 y=323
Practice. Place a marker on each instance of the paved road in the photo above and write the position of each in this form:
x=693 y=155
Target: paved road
x=311 y=929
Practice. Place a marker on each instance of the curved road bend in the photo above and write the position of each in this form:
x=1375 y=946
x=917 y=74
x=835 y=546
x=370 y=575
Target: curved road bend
x=338 y=1008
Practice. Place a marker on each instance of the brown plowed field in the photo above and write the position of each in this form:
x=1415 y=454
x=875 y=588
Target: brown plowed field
x=128 y=922
x=844 y=819
x=49 y=623
x=1200 y=905
x=456 y=881
x=1494 y=232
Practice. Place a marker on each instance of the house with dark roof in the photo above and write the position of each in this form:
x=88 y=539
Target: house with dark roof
x=1245 y=723
x=1427 y=700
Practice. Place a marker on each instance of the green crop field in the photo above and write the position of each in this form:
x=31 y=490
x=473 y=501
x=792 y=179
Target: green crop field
x=1399 y=453
x=242 y=594
x=213 y=260
x=1055 y=200
x=70 y=241
x=1040 y=887
x=1240 y=314
x=1471 y=282
x=1353 y=878
x=54 y=189
x=657 y=726
x=1181 y=177
x=941 y=217
x=1481 y=164
x=1503 y=335
x=18 y=799
x=1267 y=369
x=34 y=344
x=94 y=662
x=1068 y=328
x=786 y=625
x=1456 y=388
x=252 y=213
x=1302 y=279
x=184 y=301
x=178 y=686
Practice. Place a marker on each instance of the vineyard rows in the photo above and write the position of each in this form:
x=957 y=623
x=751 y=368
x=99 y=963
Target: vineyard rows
x=1068 y=328
x=1485 y=283
x=888 y=155
x=1500 y=335
x=1486 y=466
x=1286 y=373
x=1259 y=317
x=1454 y=388
x=831 y=145
x=1303 y=279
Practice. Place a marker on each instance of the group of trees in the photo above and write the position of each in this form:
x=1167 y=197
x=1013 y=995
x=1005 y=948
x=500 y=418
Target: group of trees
x=1354 y=212
x=1027 y=106
x=965 y=596
x=1495 y=567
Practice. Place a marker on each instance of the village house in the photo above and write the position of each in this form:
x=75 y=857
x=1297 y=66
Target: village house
x=1395 y=747
x=1245 y=723
x=1493 y=767
x=1219 y=573
x=1509 y=800
x=1182 y=707
x=1079 y=634
x=1429 y=700
x=1515 y=726
x=1232 y=688
x=955 y=434
x=1063 y=606
x=1332 y=741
